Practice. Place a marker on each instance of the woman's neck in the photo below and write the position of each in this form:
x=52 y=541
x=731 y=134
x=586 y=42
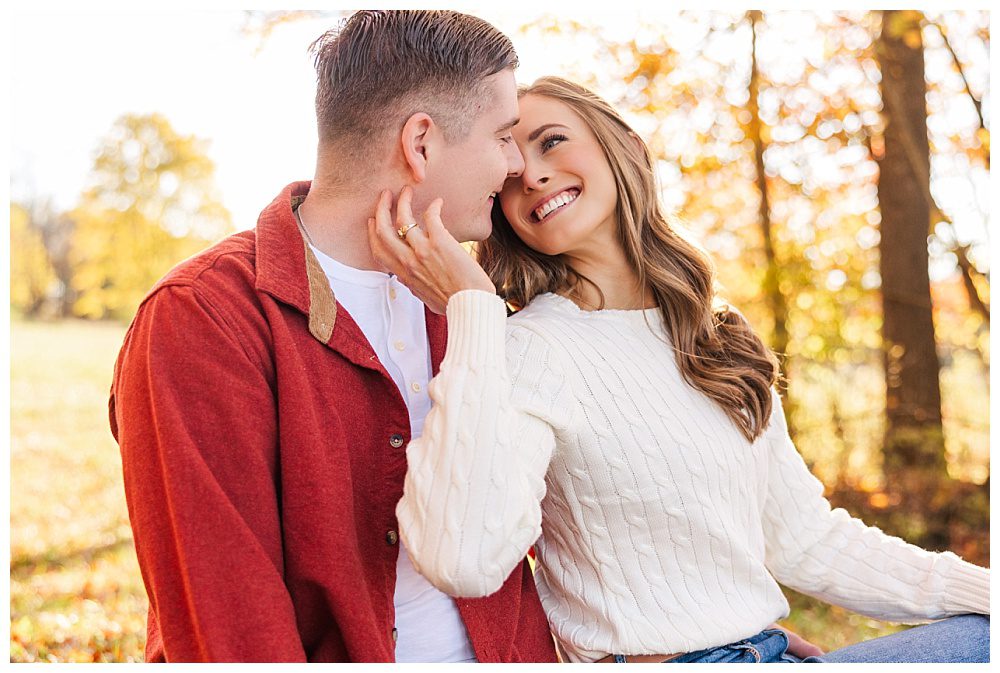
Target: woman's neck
x=614 y=284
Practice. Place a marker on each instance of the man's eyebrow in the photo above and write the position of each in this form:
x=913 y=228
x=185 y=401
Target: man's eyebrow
x=508 y=125
x=537 y=132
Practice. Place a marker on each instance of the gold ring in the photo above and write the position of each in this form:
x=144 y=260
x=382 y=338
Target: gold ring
x=404 y=230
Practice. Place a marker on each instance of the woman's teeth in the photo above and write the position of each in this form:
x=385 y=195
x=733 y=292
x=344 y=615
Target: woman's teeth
x=560 y=200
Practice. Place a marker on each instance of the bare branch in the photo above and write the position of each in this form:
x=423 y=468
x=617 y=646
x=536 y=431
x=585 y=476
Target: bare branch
x=961 y=71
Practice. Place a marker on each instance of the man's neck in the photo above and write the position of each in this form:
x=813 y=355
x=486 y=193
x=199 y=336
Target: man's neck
x=338 y=225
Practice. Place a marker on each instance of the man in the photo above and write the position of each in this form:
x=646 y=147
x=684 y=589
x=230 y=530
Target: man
x=267 y=388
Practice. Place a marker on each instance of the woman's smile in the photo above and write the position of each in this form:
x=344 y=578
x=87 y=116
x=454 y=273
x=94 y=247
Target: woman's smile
x=552 y=205
x=562 y=160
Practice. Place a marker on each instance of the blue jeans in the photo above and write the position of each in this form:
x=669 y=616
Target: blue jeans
x=961 y=639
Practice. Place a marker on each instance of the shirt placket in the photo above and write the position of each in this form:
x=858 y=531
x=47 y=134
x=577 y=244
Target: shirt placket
x=403 y=346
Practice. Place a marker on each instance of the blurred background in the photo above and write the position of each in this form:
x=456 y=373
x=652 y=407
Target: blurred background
x=834 y=164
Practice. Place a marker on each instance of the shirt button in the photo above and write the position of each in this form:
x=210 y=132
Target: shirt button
x=391 y=537
x=415 y=387
x=399 y=345
x=392 y=293
x=396 y=441
x=395 y=635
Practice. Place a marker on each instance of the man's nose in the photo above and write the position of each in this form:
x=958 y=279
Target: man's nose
x=515 y=161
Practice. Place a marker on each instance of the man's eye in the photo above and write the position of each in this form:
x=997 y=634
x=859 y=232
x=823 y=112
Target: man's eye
x=507 y=140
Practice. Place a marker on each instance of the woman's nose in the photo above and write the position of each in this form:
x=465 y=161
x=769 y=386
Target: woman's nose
x=533 y=176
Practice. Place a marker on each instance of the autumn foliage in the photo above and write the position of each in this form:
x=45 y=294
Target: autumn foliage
x=793 y=146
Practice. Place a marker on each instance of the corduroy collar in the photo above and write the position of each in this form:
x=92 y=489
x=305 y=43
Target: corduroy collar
x=287 y=269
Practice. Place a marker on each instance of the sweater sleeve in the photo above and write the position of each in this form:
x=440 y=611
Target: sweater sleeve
x=834 y=557
x=471 y=505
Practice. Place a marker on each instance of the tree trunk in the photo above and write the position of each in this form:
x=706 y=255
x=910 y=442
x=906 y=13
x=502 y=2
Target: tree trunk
x=58 y=237
x=56 y=231
x=772 y=273
x=914 y=459
x=772 y=288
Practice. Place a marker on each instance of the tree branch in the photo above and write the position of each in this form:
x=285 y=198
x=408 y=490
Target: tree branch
x=961 y=71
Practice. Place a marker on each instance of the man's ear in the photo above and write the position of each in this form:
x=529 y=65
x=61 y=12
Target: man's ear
x=416 y=136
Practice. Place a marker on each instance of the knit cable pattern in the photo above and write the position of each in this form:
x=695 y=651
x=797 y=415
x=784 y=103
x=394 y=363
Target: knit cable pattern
x=662 y=529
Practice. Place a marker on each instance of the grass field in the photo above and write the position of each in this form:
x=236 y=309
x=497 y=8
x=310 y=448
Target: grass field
x=75 y=589
x=76 y=593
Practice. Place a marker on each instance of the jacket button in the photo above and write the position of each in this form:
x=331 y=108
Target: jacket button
x=391 y=537
x=395 y=635
x=396 y=441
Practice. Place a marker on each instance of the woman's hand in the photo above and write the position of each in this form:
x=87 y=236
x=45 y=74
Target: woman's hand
x=797 y=645
x=428 y=260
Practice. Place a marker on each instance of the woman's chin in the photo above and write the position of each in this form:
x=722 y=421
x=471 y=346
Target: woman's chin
x=547 y=248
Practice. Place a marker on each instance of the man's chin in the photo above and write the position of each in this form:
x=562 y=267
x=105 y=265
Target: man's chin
x=476 y=234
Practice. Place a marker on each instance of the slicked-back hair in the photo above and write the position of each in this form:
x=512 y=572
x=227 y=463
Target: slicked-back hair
x=381 y=66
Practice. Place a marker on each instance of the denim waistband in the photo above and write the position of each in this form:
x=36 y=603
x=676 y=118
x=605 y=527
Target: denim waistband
x=768 y=646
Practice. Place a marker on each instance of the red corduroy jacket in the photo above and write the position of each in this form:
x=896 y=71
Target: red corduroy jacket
x=263 y=447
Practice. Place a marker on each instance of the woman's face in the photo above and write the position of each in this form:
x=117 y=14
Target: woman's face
x=564 y=200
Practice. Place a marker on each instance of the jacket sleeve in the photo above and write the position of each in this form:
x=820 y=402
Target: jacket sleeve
x=832 y=556
x=471 y=505
x=194 y=416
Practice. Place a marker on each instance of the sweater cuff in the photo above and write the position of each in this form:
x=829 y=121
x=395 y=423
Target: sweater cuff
x=476 y=324
x=967 y=588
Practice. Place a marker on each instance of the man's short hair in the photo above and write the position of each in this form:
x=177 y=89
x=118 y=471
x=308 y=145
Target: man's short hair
x=381 y=66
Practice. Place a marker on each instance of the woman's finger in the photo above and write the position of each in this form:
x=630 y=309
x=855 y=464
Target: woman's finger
x=432 y=220
x=395 y=251
x=382 y=256
x=375 y=241
x=383 y=217
x=404 y=208
x=417 y=239
x=376 y=227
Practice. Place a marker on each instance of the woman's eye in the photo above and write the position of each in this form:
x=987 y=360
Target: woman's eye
x=551 y=141
x=507 y=140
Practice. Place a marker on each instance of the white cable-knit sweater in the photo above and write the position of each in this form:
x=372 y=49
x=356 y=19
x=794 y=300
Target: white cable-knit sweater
x=662 y=529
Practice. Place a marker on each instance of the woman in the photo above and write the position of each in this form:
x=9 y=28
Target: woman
x=633 y=426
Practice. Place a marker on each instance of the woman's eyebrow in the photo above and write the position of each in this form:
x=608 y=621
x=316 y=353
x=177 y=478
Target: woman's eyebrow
x=537 y=132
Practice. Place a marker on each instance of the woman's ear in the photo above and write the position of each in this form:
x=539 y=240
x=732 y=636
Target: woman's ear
x=415 y=138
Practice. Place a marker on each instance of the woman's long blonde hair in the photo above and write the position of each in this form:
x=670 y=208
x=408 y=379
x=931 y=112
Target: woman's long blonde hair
x=717 y=351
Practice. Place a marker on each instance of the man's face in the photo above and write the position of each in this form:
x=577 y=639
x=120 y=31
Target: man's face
x=469 y=173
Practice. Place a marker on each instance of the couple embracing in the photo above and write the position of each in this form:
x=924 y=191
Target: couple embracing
x=339 y=446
